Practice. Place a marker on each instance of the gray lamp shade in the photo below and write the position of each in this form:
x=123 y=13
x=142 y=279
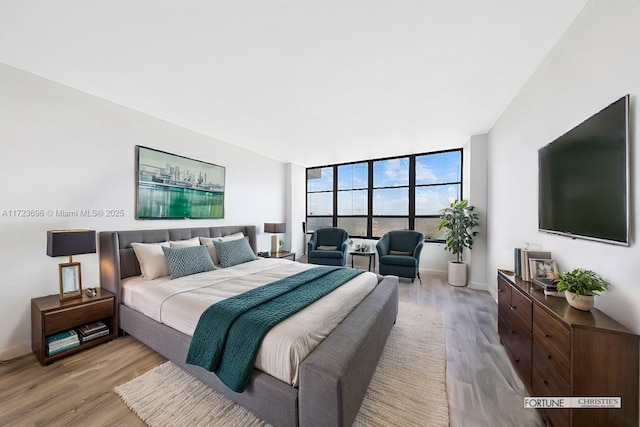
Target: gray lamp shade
x=274 y=227
x=70 y=242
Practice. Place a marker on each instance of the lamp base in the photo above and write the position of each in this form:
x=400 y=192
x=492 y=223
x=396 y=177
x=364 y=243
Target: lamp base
x=274 y=243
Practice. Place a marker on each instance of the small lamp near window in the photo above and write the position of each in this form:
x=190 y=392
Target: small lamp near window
x=69 y=243
x=275 y=228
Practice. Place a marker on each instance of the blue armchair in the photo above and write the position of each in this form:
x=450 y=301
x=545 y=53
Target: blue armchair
x=328 y=246
x=399 y=253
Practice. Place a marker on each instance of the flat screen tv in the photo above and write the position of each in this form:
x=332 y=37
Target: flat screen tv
x=176 y=187
x=583 y=181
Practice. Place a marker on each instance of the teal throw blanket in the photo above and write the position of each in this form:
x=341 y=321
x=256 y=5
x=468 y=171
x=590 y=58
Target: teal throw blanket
x=229 y=333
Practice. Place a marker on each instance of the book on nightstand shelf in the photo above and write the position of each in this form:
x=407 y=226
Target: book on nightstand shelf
x=61 y=342
x=92 y=331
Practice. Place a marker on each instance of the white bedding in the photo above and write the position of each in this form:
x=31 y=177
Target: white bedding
x=179 y=303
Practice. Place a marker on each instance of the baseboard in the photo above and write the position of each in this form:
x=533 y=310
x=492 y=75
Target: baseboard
x=12 y=353
x=436 y=272
x=479 y=286
x=493 y=293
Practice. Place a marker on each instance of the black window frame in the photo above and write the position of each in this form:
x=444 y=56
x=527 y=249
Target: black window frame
x=411 y=217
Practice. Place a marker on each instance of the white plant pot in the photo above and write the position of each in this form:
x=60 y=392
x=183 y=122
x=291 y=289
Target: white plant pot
x=457 y=273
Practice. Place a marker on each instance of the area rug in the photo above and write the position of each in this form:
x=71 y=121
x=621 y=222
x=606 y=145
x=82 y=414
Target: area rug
x=407 y=389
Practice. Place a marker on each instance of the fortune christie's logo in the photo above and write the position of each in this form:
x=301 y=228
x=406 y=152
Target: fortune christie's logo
x=572 y=402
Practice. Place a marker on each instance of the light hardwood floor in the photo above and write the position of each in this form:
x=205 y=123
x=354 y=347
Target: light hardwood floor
x=482 y=387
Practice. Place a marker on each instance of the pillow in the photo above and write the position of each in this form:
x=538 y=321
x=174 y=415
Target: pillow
x=327 y=248
x=187 y=261
x=151 y=258
x=235 y=236
x=234 y=252
x=208 y=242
x=400 y=253
x=185 y=243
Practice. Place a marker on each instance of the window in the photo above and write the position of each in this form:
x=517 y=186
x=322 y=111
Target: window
x=373 y=197
x=319 y=198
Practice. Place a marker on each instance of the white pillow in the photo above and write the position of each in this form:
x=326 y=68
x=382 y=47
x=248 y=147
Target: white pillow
x=195 y=241
x=208 y=242
x=235 y=236
x=153 y=263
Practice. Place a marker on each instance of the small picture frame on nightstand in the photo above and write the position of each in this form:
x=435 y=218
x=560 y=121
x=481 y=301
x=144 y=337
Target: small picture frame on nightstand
x=70 y=281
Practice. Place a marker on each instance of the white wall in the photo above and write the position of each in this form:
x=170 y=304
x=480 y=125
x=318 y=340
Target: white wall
x=475 y=190
x=64 y=149
x=296 y=209
x=594 y=63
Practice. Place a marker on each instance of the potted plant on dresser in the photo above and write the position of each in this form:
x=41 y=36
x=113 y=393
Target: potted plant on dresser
x=580 y=286
x=459 y=220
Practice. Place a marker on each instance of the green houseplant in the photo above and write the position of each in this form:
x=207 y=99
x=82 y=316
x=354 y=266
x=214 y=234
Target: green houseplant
x=580 y=286
x=459 y=220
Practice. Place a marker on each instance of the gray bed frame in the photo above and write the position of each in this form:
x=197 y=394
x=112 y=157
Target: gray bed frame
x=333 y=379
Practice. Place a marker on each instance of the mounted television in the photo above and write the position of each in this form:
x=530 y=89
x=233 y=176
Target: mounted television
x=176 y=187
x=583 y=181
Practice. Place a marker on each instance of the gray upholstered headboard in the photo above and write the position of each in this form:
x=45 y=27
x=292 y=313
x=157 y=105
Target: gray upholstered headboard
x=118 y=261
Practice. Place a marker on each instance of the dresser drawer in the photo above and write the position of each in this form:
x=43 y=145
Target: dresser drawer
x=70 y=317
x=520 y=309
x=504 y=294
x=553 y=340
x=546 y=382
x=517 y=342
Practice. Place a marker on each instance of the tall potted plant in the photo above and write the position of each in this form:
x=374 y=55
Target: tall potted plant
x=459 y=220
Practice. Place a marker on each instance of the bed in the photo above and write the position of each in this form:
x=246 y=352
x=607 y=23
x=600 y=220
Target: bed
x=331 y=381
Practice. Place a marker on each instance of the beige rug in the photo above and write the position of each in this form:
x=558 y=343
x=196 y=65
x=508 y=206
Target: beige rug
x=407 y=389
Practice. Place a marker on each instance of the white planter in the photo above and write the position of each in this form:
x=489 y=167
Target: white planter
x=581 y=302
x=457 y=273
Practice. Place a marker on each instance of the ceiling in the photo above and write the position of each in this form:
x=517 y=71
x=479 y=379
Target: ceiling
x=307 y=82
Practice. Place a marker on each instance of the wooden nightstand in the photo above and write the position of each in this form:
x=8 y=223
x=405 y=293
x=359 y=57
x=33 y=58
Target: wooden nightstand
x=50 y=316
x=280 y=254
x=284 y=254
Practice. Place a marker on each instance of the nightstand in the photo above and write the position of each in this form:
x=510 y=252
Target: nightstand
x=50 y=316
x=280 y=254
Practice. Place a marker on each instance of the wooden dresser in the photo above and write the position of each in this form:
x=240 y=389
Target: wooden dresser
x=559 y=351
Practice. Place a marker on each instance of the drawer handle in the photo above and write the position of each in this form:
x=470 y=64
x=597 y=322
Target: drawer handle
x=513 y=332
x=547 y=336
x=517 y=360
x=513 y=307
x=549 y=357
x=545 y=382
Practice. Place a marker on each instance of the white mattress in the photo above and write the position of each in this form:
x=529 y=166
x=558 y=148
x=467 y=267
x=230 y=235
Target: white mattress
x=179 y=303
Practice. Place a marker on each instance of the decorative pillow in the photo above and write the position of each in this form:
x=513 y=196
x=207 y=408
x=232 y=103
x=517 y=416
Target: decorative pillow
x=234 y=252
x=187 y=261
x=327 y=248
x=195 y=241
x=400 y=253
x=208 y=242
x=153 y=264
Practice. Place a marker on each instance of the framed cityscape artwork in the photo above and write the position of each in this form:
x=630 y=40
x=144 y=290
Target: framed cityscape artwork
x=170 y=186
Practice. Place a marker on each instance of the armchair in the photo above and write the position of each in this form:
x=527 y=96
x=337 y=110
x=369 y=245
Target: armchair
x=399 y=253
x=328 y=246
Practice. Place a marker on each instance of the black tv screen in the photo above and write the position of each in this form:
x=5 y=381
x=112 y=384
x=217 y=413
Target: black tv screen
x=583 y=181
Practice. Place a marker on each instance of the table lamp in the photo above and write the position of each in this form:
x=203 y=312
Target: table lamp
x=69 y=243
x=275 y=228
